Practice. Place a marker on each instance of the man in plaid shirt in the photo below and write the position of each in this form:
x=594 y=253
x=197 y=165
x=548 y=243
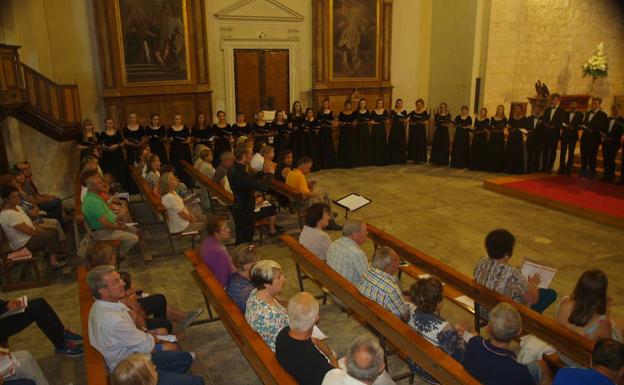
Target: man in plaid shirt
x=380 y=285
x=345 y=255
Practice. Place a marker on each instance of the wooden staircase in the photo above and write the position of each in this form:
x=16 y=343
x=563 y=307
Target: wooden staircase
x=25 y=94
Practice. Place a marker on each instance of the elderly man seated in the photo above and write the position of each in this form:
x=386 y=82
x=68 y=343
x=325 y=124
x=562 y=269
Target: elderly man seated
x=607 y=367
x=102 y=220
x=52 y=205
x=113 y=333
x=380 y=285
x=345 y=255
x=492 y=362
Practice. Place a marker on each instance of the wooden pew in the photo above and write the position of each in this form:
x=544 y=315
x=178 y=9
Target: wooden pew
x=564 y=340
x=251 y=344
x=296 y=198
x=78 y=217
x=95 y=367
x=439 y=364
x=214 y=189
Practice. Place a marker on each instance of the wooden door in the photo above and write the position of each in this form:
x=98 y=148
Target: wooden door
x=261 y=78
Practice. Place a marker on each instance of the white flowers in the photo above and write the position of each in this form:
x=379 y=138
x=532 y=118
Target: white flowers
x=597 y=65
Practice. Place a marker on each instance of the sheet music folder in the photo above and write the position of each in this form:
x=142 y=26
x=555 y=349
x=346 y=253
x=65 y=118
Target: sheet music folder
x=352 y=202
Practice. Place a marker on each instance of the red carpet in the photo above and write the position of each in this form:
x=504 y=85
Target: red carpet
x=585 y=194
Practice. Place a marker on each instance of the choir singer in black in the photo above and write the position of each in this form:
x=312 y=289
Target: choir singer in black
x=611 y=143
x=569 y=137
x=594 y=122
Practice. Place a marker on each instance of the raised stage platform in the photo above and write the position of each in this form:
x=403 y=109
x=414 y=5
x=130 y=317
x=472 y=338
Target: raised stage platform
x=590 y=199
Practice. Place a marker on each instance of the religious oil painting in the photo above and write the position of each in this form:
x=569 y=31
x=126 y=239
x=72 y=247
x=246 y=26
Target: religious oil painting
x=154 y=40
x=354 y=38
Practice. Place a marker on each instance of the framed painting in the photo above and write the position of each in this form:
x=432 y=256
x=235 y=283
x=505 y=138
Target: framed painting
x=153 y=42
x=354 y=39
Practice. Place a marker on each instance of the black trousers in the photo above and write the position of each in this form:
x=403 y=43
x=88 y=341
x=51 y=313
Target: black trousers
x=555 y=136
x=567 y=148
x=609 y=151
x=156 y=305
x=589 y=152
x=244 y=223
x=39 y=312
x=533 y=153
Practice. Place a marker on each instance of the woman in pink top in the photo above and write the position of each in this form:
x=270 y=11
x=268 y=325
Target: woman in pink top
x=212 y=251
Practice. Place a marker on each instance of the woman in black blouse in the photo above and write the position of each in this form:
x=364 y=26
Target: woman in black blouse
x=478 y=150
x=460 y=155
x=241 y=127
x=223 y=137
x=311 y=130
x=261 y=129
x=379 y=144
x=296 y=119
x=113 y=161
x=440 y=144
x=347 y=147
x=156 y=134
x=327 y=154
x=417 y=143
x=282 y=131
x=87 y=139
x=202 y=132
x=134 y=138
x=514 y=149
x=397 y=147
x=362 y=135
x=180 y=137
x=496 y=141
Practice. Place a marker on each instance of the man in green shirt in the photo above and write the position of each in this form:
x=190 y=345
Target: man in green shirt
x=101 y=219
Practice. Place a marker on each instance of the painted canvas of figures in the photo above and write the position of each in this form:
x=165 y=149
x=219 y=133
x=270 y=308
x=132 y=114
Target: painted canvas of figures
x=354 y=38
x=154 y=40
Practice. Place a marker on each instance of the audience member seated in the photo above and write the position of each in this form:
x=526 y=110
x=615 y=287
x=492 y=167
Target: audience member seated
x=152 y=313
x=257 y=161
x=213 y=252
x=587 y=310
x=101 y=253
x=113 y=333
x=152 y=172
x=239 y=286
x=428 y=296
x=284 y=165
x=492 y=362
x=102 y=220
x=345 y=255
x=203 y=164
x=179 y=218
x=264 y=313
x=51 y=204
x=379 y=283
x=607 y=367
x=27 y=370
x=312 y=236
x=220 y=175
x=141 y=162
x=38 y=311
x=118 y=205
x=182 y=189
x=495 y=273
x=364 y=365
x=21 y=232
x=137 y=369
x=268 y=153
x=306 y=358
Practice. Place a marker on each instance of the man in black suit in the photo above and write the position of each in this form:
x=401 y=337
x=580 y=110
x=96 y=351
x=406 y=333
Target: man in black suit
x=595 y=121
x=553 y=118
x=611 y=141
x=569 y=137
x=535 y=140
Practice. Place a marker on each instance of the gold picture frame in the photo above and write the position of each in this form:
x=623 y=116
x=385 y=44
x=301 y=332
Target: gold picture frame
x=347 y=61
x=147 y=45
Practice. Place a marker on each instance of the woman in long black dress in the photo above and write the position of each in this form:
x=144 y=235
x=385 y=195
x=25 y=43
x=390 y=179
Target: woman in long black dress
x=362 y=135
x=223 y=138
x=261 y=129
x=496 y=141
x=282 y=132
x=460 y=154
x=296 y=118
x=134 y=138
x=440 y=144
x=241 y=128
x=87 y=139
x=417 y=143
x=202 y=132
x=113 y=161
x=180 y=137
x=379 y=144
x=478 y=150
x=514 y=149
x=347 y=147
x=327 y=153
x=311 y=129
x=397 y=146
x=156 y=134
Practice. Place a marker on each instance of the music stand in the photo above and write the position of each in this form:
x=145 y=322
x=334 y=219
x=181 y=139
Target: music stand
x=352 y=202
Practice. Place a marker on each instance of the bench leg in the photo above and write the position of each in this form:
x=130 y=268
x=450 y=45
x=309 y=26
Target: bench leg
x=299 y=277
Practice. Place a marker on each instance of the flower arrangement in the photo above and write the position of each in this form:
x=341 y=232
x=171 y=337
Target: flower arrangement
x=597 y=65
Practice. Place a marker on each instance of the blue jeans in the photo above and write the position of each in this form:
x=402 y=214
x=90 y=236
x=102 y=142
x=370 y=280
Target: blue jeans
x=546 y=298
x=172 y=368
x=54 y=208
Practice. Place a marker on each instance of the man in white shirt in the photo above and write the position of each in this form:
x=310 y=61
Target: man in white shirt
x=345 y=255
x=113 y=333
x=257 y=162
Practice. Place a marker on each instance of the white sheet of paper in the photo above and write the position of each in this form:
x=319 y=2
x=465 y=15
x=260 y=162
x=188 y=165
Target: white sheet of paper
x=9 y=313
x=168 y=338
x=524 y=131
x=318 y=334
x=547 y=273
x=353 y=202
x=466 y=301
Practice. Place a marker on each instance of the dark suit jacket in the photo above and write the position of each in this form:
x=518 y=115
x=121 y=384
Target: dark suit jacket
x=244 y=185
x=614 y=137
x=572 y=120
x=599 y=123
x=554 y=117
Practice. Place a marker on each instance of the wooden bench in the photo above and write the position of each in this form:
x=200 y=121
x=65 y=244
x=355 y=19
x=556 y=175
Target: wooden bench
x=564 y=340
x=7 y=266
x=251 y=344
x=439 y=364
x=95 y=367
x=295 y=197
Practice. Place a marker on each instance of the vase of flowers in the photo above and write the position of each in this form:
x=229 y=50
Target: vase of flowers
x=596 y=66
